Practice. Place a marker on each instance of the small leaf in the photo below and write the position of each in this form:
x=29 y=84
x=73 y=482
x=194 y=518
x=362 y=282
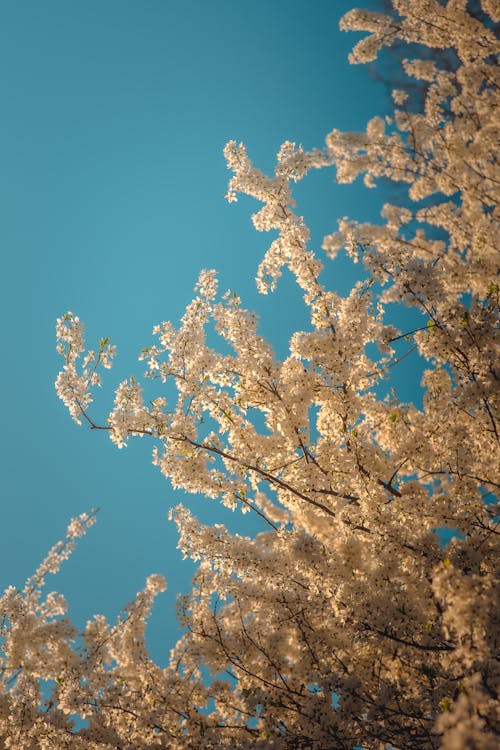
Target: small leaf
x=445 y=704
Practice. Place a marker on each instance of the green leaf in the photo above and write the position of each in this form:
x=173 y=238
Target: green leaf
x=445 y=704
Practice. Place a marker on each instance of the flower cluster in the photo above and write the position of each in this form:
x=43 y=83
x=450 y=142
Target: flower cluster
x=74 y=387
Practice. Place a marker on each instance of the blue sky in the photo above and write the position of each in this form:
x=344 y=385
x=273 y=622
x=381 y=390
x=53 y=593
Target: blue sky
x=114 y=117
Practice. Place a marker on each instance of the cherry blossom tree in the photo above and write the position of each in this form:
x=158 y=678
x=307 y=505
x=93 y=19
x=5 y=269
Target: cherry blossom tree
x=346 y=623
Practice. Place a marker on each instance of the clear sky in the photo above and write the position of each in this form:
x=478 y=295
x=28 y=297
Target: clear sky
x=114 y=117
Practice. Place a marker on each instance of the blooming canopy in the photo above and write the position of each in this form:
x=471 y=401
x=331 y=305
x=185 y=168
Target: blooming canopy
x=346 y=623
